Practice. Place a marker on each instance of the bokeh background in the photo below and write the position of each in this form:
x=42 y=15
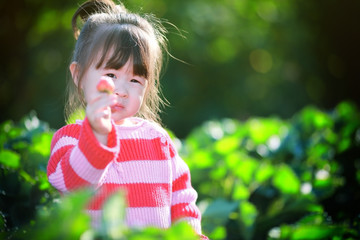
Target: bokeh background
x=264 y=109
x=244 y=57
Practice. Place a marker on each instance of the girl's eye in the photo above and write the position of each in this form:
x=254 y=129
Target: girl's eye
x=135 y=81
x=111 y=75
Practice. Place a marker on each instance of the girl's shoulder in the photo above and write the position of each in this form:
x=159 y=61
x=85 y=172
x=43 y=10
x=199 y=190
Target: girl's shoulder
x=69 y=131
x=73 y=127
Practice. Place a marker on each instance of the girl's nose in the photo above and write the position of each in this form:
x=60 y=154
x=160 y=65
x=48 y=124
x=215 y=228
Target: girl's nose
x=121 y=88
x=121 y=92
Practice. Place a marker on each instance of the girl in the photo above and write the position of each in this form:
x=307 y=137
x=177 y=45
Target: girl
x=119 y=145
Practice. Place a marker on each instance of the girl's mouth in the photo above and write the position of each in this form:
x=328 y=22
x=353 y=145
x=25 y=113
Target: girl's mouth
x=117 y=107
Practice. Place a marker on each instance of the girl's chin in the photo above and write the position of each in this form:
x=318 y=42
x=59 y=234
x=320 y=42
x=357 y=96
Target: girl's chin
x=124 y=122
x=119 y=121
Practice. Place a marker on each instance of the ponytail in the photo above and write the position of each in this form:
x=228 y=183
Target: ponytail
x=93 y=7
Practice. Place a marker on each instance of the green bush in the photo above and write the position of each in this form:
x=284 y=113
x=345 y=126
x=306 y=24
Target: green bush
x=264 y=178
x=279 y=179
x=24 y=188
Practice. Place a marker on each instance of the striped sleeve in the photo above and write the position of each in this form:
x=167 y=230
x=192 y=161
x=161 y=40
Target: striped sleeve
x=77 y=159
x=183 y=205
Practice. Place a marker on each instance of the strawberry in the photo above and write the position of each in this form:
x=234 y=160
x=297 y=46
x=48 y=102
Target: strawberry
x=106 y=85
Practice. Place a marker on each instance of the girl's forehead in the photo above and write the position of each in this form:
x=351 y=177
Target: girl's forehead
x=107 y=63
x=105 y=55
x=111 y=58
x=115 y=47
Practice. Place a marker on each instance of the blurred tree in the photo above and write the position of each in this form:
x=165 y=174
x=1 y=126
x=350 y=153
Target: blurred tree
x=245 y=58
x=35 y=48
x=333 y=24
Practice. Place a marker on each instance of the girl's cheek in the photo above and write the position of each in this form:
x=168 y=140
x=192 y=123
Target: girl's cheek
x=90 y=93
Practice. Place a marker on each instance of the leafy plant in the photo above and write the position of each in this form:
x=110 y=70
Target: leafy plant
x=264 y=178
x=280 y=179
x=24 y=151
x=31 y=209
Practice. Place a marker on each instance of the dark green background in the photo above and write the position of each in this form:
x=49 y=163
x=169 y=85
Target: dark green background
x=245 y=57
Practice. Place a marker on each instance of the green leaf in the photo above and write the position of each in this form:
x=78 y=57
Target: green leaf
x=246 y=169
x=226 y=145
x=248 y=213
x=9 y=158
x=218 y=173
x=27 y=177
x=312 y=118
x=113 y=223
x=286 y=180
x=217 y=213
x=41 y=143
x=261 y=129
x=315 y=232
x=344 y=144
x=201 y=159
x=43 y=180
x=218 y=233
x=180 y=230
x=247 y=219
x=320 y=150
x=220 y=208
x=346 y=110
x=63 y=219
x=264 y=172
x=241 y=192
x=233 y=159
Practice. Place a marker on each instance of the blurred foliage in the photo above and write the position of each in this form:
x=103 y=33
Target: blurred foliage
x=24 y=152
x=31 y=209
x=263 y=178
x=245 y=57
x=279 y=179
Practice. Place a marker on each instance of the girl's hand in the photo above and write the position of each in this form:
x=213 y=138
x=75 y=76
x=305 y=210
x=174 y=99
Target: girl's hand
x=98 y=112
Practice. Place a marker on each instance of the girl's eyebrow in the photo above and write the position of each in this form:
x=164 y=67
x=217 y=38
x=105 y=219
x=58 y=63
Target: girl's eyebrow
x=134 y=74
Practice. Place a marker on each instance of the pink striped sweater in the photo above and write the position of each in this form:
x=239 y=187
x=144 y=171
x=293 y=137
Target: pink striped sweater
x=140 y=159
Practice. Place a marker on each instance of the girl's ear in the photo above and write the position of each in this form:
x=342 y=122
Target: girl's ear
x=74 y=73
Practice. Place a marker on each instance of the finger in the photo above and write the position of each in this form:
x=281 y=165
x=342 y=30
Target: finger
x=100 y=120
x=102 y=114
x=96 y=113
x=102 y=102
x=101 y=125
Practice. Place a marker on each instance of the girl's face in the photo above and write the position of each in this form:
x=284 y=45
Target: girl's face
x=129 y=89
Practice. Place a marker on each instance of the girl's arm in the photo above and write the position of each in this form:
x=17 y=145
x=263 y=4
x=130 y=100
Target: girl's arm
x=183 y=205
x=77 y=159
